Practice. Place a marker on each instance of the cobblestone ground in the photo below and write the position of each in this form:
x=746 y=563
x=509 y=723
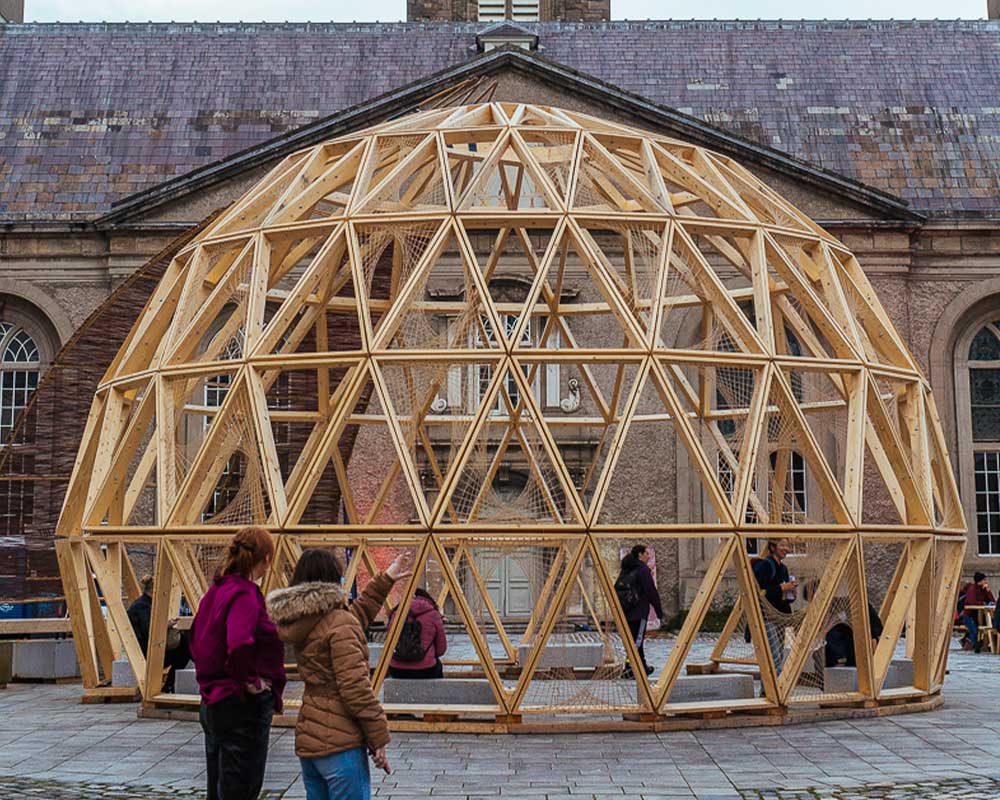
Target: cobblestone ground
x=51 y=747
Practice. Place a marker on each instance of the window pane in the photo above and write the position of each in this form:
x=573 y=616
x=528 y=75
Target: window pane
x=984 y=347
x=984 y=545
x=985 y=390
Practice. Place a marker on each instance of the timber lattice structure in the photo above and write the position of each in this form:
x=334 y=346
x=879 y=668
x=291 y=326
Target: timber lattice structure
x=457 y=332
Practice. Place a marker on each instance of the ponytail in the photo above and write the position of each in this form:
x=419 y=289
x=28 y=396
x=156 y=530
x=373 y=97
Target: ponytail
x=249 y=547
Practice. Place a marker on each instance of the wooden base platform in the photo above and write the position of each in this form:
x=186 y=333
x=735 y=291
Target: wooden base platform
x=482 y=719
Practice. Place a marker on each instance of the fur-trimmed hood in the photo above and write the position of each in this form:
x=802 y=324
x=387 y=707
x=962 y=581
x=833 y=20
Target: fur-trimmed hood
x=298 y=609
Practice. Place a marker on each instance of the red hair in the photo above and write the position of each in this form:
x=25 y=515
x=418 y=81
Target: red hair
x=250 y=546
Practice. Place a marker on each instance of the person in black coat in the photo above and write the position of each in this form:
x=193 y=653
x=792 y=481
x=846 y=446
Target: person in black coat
x=638 y=594
x=839 y=650
x=139 y=614
x=779 y=589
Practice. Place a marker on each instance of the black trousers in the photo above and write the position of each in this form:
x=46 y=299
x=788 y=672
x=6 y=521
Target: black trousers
x=237 y=733
x=637 y=627
x=437 y=671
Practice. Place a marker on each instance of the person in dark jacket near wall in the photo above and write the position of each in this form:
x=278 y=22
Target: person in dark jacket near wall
x=177 y=653
x=637 y=594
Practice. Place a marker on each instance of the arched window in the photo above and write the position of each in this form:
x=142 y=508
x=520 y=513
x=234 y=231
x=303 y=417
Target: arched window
x=20 y=365
x=981 y=376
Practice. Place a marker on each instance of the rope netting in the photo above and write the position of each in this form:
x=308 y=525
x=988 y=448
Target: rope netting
x=386 y=153
x=584 y=666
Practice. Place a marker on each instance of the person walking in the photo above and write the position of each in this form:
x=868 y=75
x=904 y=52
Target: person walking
x=771 y=574
x=239 y=665
x=637 y=594
x=341 y=721
x=422 y=641
x=177 y=652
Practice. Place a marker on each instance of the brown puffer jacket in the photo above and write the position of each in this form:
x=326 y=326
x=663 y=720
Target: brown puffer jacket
x=339 y=708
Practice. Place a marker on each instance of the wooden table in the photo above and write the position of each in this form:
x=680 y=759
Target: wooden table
x=986 y=630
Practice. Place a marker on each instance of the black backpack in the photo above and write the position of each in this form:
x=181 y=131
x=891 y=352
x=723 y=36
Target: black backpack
x=627 y=589
x=409 y=648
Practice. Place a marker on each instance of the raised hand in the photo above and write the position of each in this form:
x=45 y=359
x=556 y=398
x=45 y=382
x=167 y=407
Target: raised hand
x=402 y=566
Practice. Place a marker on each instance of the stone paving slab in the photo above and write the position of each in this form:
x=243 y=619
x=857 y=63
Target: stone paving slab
x=52 y=747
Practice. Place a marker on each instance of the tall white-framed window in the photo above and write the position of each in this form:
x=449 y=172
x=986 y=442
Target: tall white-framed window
x=547 y=384
x=486 y=337
x=978 y=382
x=19 y=373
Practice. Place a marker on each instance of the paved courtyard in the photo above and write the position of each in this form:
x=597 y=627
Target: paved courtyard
x=53 y=748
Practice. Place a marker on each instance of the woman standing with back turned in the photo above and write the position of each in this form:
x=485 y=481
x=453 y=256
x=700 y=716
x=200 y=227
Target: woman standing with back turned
x=340 y=722
x=239 y=663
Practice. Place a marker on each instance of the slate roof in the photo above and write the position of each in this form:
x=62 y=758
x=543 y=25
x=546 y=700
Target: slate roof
x=91 y=113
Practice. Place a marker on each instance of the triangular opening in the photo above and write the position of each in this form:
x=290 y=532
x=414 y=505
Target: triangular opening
x=217 y=330
x=230 y=463
x=728 y=314
x=660 y=425
x=321 y=312
x=603 y=319
x=129 y=436
x=713 y=635
x=384 y=156
x=445 y=310
x=323 y=187
x=794 y=482
x=947 y=503
x=461 y=653
x=390 y=254
x=880 y=343
x=584 y=405
x=632 y=253
x=510 y=180
x=604 y=184
x=890 y=492
x=554 y=152
x=582 y=658
x=823 y=399
x=894 y=570
x=435 y=403
x=508 y=475
x=466 y=152
x=838 y=664
x=720 y=401
x=193 y=402
x=415 y=184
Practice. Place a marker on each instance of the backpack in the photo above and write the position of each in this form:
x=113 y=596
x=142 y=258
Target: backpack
x=409 y=648
x=961 y=597
x=627 y=589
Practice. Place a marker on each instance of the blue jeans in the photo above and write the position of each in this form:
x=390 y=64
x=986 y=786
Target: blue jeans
x=971 y=622
x=340 y=776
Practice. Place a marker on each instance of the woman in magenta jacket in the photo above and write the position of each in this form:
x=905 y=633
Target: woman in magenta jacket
x=239 y=664
x=424 y=610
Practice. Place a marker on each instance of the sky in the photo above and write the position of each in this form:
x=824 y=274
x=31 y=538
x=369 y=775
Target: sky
x=386 y=10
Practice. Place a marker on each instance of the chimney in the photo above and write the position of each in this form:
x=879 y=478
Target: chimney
x=993 y=9
x=13 y=10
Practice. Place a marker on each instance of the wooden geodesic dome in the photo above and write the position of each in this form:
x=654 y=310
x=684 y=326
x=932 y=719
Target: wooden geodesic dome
x=519 y=340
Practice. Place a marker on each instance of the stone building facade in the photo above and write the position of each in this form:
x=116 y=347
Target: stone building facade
x=118 y=138
x=516 y=10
